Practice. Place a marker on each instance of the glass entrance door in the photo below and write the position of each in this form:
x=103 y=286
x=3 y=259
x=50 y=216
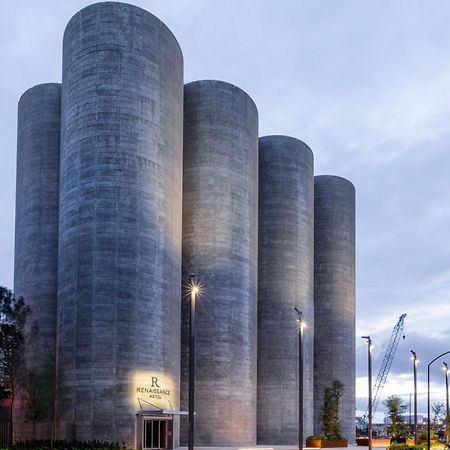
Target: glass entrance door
x=155 y=433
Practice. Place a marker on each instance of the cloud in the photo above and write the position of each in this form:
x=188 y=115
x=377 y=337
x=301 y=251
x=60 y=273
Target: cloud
x=400 y=380
x=403 y=386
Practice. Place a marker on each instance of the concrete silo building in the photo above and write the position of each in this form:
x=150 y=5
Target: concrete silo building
x=36 y=246
x=285 y=281
x=128 y=182
x=220 y=211
x=334 y=296
x=118 y=349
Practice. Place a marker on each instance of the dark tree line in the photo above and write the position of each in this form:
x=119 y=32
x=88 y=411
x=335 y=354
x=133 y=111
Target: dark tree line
x=16 y=339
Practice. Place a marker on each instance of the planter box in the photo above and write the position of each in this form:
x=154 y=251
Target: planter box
x=376 y=442
x=326 y=443
x=380 y=442
x=432 y=441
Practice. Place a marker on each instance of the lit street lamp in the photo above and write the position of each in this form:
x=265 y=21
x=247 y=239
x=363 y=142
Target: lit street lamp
x=194 y=290
x=446 y=401
x=301 y=326
x=428 y=397
x=369 y=368
x=415 y=361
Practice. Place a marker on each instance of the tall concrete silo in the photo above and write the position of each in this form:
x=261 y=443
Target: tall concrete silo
x=36 y=240
x=334 y=296
x=120 y=225
x=220 y=213
x=285 y=281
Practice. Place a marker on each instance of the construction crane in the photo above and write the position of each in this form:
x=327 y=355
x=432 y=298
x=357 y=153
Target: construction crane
x=386 y=363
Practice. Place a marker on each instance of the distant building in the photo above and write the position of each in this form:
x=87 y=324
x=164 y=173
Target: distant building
x=408 y=419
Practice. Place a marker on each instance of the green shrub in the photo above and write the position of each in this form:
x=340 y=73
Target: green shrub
x=66 y=445
x=424 y=435
x=317 y=436
x=407 y=447
x=323 y=437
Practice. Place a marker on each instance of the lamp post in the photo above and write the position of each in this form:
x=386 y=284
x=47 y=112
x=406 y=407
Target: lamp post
x=415 y=361
x=410 y=425
x=446 y=401
x=194 y=290
x=301 y=326
x=369 y=368
x=428 y=397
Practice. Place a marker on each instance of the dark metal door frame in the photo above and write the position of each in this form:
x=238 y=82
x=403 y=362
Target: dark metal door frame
x=159 y=428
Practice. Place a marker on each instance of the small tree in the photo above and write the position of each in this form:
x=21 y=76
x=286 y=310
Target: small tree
x=13 y=316
x=331 y=426
x=38 y=383
x=396 y=409
x=34 y=401
x=438 y=415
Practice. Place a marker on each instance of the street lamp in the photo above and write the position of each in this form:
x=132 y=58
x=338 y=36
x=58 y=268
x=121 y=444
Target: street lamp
x=194 y=290
x=415 y=361
x=301 y=327
x=428 y=397
x=369 y=368
x=446 y=401
x=410 y=415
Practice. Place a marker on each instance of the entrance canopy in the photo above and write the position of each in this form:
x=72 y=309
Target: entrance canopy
x=155 y=410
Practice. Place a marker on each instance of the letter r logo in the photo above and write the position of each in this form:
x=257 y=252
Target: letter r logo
x=155 y=382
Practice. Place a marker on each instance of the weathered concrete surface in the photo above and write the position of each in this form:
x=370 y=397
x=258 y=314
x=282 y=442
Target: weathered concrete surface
x=334 y=296
x=120 y=217
x=220 y=213
x=36 y=243
x=285 y=281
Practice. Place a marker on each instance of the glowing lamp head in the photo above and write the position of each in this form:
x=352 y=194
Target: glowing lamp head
x=301 y=325
x=193 y=287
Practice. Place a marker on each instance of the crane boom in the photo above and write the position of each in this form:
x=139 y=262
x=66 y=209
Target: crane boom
x=388 y=357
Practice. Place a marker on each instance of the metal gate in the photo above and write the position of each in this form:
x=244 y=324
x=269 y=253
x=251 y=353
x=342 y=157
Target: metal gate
x=155 y=433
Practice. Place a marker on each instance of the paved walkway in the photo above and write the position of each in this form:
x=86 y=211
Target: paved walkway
x=278 y=447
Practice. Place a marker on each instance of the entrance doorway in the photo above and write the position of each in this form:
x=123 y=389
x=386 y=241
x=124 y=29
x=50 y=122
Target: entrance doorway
x=156 y=433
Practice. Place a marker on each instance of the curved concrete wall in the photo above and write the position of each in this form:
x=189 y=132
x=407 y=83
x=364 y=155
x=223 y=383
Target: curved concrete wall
x=220 y=211
x=36 y=243
x=120 y=219
x=285 y=281
x=334 y=296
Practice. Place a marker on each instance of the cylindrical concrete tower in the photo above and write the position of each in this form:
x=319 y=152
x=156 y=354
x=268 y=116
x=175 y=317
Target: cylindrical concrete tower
x=285 y=281
x=334 y=296
x=120 y=224
x=36 y=245
x=220 y=213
